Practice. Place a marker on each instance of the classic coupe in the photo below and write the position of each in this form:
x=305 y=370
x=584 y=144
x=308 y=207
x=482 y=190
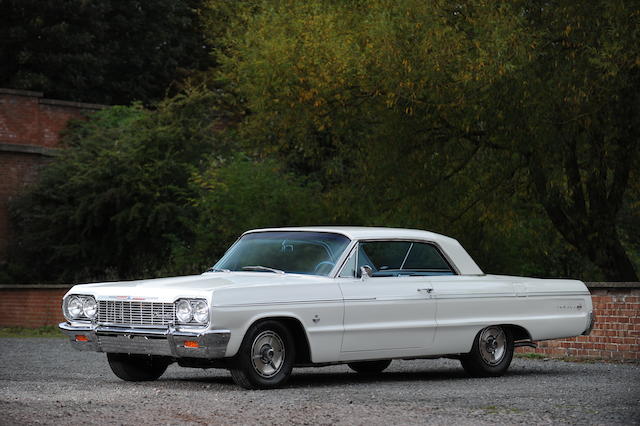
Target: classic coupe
x=296 y=297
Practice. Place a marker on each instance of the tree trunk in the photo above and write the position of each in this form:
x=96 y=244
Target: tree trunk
x=601 y=245
x=591 y=230
x=612 y=259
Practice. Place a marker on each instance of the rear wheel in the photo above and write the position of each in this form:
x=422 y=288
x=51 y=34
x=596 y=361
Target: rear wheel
x=137 y=368
x=369 y=367
x=491 y=353
x=265 y=358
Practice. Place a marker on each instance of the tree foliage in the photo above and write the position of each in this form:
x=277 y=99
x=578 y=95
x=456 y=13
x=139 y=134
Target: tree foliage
x=436 y=110
x=239 y=193
x=114 y=199
x=109 y=51
x=141 y=193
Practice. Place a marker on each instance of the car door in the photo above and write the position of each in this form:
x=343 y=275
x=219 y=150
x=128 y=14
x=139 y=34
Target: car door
x=392 y=310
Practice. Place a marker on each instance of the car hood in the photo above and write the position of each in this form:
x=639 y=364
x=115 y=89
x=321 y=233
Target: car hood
x=193 y=286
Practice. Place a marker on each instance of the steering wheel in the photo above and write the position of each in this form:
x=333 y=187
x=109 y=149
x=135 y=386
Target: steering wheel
x=320 y=265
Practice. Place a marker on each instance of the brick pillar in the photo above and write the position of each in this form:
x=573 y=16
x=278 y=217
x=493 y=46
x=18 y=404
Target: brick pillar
x=29 y=134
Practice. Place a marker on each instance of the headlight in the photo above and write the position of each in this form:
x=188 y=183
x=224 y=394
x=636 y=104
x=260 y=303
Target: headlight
x=74 y=307
x=89 y=307
x=184 y=311
x=192 y=311
x=79 y=307
x=201 y=312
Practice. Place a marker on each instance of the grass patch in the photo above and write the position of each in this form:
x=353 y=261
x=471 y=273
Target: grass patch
x=46 y=331
x=531 y=355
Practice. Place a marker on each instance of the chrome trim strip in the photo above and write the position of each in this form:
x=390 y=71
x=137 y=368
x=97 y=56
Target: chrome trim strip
x=559 y=293
x=446 y=296
x=64 y=327
x=290 y=302
x=418 y=298
x=361 y=299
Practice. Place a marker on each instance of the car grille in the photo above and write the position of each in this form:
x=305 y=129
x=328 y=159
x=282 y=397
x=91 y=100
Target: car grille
x=117 y=312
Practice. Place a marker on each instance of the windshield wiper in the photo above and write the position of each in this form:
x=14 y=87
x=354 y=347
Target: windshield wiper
x=262 y=268
x=218 y=270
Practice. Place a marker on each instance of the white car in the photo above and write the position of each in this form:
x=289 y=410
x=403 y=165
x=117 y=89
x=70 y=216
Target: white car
x=315 y=296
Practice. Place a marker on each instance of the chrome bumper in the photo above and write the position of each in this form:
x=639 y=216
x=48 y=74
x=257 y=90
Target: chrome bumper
x=149 y=341
x=591 y=318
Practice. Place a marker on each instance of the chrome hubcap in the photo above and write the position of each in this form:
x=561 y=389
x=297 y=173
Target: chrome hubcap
x=267 y=354
x=492 y=345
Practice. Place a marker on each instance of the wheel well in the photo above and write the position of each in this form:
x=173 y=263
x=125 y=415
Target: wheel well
x=300 y=341
x=517 y=332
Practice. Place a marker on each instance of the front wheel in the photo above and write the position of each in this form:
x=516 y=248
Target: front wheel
x=491 y=353
x=369 y=367
x=265 y=358
x=137 y=368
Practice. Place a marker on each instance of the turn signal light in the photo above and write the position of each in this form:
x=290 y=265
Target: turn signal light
x=191 y=344
x=81 y=338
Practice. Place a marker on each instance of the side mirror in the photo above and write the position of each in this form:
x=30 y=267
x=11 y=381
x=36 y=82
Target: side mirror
x=366 y=272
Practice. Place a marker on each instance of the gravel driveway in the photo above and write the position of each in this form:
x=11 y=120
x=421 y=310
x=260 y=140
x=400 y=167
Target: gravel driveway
x=46 y=381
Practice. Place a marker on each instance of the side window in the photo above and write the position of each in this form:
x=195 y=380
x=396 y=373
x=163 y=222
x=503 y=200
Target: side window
x=401 y=258
x=349 y=268
x=383 y=255
x=426 y=257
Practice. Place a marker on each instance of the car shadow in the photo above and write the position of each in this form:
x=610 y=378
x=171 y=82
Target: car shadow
x=313 y=378
x=316 y=377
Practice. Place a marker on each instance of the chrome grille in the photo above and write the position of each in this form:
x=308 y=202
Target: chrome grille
x=121 y=312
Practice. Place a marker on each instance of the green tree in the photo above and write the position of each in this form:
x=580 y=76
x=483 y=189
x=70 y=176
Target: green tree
x=144 y=193
x=440 y=106
x=109 y=51
x=240 y=193
x=111 y=203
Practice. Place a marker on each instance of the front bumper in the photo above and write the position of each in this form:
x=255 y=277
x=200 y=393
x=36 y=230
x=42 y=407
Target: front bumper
x=149 y=341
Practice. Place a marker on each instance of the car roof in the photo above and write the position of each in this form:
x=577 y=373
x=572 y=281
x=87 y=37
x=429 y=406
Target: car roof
x=456 y=254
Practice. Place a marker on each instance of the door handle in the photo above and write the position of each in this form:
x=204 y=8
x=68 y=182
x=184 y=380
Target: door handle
x=425 y=290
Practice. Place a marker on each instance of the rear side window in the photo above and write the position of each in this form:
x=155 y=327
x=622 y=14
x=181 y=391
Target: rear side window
x=401 y=258
x=425 y=257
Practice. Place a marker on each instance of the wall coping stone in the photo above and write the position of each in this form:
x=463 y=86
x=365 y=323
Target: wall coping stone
x=34 y=286
x=16 y=92
x=42 y=100
x=27 y=149
x=72 y=104
x=613 y=285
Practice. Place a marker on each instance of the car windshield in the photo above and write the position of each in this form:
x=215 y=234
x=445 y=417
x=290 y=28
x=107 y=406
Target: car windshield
x=297 y=252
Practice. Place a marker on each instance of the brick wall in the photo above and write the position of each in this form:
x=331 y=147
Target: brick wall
x=16 y=171
x=29 y=133
x=616 y=333
x=31 y=306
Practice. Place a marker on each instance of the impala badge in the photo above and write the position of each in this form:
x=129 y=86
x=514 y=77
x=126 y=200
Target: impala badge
x=160 y=315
